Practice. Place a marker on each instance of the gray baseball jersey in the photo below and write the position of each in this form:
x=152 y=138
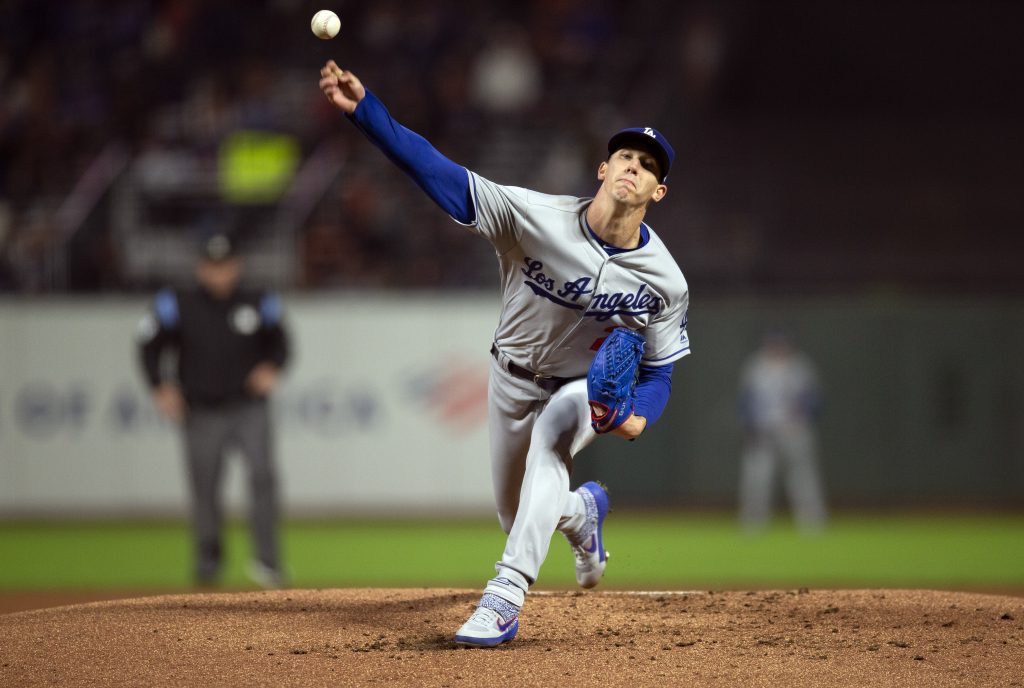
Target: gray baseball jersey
x=562 y=293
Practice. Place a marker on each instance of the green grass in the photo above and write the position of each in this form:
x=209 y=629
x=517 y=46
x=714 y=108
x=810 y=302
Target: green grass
x=668 y=551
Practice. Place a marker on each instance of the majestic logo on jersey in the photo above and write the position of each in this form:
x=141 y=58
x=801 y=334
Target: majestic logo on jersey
x=601 y=306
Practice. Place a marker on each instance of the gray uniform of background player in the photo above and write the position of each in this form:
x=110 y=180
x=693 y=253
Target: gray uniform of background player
x=561 y=293
x=779 y=398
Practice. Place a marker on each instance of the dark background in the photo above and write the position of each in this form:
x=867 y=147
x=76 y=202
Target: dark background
x=823 y=147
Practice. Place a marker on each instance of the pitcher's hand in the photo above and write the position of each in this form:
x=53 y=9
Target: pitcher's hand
x=343 y=89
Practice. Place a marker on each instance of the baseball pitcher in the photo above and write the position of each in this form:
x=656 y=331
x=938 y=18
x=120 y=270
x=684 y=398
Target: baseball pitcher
x=593 y=317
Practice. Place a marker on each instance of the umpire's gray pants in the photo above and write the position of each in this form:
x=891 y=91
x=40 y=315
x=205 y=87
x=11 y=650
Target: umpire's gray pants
x=209 y=434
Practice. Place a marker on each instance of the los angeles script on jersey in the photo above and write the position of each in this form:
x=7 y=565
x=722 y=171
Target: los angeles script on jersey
x=601 y=306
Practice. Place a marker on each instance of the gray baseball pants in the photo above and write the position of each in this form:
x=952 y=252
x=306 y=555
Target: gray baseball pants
x=534 y=435
x=209 y=434
x=790 y=451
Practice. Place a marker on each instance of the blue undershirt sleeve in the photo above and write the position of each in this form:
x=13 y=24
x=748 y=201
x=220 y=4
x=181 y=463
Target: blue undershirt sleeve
x=446 y=182
x=652 y=391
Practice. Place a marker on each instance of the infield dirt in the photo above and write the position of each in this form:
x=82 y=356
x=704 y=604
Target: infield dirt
x=355 y=637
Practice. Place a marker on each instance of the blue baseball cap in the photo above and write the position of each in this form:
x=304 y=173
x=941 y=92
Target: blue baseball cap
x=648 y=139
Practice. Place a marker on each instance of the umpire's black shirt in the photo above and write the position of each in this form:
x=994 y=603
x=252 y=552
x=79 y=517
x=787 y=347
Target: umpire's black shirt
x=217 y=342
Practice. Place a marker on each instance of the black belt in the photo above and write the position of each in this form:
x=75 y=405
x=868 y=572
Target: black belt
x=549 y=383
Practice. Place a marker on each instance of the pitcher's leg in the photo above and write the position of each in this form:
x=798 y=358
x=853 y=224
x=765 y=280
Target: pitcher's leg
x=513 y=406
x=544 y=500
x=533 y=439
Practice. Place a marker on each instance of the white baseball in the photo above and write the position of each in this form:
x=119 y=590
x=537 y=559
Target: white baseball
x=325 y=24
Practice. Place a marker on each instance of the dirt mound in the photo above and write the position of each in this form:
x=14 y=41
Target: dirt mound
x=403 y=637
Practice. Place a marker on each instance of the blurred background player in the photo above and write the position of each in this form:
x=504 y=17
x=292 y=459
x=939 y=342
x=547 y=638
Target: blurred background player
x=779 y=403
x=212 y=356
x=572 y=270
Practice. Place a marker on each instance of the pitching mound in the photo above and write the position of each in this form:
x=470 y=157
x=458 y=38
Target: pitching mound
x=403 y=637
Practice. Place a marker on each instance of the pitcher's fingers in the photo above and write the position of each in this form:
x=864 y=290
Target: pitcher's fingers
x=331 y=67
x=349 y=79
x=330 y=83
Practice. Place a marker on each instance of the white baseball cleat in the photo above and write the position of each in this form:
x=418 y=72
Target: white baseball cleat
x=494 y=622
x=588 y=543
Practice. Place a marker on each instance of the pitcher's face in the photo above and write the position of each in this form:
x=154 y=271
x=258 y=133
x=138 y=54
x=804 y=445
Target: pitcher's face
x=631 y=176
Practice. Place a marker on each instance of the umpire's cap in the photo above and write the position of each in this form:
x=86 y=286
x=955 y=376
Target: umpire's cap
x=217 y=247
x=648 y=139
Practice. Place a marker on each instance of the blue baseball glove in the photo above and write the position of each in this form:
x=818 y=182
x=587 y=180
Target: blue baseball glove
x=612 y=379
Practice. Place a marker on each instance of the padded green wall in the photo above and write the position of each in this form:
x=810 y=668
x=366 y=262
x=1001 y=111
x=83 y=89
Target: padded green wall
x=923 y=404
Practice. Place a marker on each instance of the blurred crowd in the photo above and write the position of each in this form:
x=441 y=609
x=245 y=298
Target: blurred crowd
x=787 y=150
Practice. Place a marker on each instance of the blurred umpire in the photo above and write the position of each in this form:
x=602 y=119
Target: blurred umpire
x=212 y=355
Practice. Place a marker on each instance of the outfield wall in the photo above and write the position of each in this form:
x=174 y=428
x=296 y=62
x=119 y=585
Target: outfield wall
x=384 y=408
x=923 y=403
